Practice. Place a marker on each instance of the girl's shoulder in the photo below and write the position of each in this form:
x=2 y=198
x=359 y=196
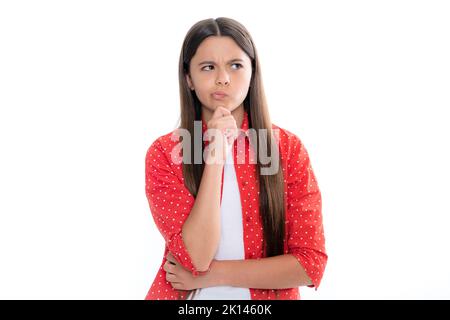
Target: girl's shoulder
x=288 y=140
x=166 y=141
x=161 y=150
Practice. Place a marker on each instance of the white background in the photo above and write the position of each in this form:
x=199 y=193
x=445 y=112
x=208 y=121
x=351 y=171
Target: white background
x=87 y=86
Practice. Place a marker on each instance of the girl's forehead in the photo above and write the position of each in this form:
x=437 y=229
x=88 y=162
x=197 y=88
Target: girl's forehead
x=215 y=47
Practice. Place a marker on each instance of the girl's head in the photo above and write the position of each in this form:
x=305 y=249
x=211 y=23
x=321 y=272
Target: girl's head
x=219 y=64
x=219 y=55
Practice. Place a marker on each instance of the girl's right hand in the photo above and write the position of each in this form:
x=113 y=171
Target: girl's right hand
x=222 y=134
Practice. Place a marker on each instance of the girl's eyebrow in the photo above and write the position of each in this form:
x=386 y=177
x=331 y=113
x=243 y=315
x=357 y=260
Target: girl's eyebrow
x=212 y=62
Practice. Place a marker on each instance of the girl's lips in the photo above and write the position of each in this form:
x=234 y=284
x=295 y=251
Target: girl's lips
x=219 y=95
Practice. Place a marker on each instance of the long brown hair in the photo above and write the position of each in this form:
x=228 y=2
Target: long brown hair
x=271 y=187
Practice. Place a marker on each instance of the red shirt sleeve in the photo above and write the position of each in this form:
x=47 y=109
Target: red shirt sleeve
x=170 y=202
x=306 y=239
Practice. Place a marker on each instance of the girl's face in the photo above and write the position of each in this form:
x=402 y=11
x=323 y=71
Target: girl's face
x=220 y=66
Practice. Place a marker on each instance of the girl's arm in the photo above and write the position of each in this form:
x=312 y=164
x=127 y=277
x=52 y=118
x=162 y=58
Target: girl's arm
x=279 y=272
x=201 y=230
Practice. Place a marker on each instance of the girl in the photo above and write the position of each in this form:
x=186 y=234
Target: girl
x=237 y=224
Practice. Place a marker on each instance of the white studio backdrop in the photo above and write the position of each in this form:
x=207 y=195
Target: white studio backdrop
x=87 y=86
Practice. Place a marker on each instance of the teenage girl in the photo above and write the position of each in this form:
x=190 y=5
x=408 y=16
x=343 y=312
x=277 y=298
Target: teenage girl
x=241 y=213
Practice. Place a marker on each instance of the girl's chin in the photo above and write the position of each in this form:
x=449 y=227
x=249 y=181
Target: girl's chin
x=213 y=107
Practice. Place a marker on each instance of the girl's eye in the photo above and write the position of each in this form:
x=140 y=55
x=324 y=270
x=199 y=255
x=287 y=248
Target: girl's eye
x=235 y=66
x=205 y=68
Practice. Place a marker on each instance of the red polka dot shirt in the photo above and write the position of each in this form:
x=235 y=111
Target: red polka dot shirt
x=170 y=204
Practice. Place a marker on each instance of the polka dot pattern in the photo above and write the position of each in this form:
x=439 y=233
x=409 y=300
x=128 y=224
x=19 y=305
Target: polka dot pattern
x=170 y=204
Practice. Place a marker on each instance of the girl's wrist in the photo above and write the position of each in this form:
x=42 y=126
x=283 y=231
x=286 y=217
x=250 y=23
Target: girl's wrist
x=218 y=272
x=216 y=276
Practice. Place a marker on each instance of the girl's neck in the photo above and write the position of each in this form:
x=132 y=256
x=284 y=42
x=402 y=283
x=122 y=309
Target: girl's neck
x=237 y=113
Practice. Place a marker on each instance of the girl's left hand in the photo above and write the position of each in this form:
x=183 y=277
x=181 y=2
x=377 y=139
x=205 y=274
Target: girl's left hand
x=180 y=278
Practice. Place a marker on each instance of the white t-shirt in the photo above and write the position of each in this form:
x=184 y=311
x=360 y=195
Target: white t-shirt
x=231 y=246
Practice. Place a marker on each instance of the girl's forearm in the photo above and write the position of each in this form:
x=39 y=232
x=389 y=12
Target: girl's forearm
x=201 y=230
x=279 y=272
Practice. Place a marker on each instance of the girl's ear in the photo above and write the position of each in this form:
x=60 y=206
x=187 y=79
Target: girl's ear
x=189 y=81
